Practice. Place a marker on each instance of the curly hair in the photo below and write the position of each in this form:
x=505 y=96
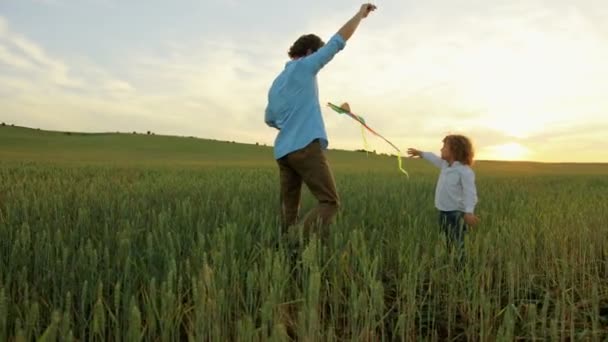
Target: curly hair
x=303 y=44
x=461 y=148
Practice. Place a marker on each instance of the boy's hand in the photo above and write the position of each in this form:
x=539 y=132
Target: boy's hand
x=414 y=152
x=471 y=219
x=366 y=9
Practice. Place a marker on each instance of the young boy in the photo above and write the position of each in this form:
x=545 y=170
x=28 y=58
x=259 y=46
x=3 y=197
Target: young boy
x=455 y=194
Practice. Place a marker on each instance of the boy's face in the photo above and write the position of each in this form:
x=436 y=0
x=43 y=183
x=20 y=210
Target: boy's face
x=446 y=153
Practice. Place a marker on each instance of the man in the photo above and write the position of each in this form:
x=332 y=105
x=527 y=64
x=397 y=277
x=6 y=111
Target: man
x=293 y=108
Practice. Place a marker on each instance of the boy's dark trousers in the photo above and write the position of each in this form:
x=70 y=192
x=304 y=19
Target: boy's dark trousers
x=453 y=226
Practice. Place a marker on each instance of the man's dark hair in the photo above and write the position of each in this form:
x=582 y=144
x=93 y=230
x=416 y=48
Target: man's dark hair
x=303 y=44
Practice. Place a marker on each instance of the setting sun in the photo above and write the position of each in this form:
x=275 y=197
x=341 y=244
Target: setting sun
x=520 y=91
x=510 y=151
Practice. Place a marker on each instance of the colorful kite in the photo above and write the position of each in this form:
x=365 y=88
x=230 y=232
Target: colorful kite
x=345 y=109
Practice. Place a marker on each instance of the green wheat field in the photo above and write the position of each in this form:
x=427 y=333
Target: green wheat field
x=128 y=237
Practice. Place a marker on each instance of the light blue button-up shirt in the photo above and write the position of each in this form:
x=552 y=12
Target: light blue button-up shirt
x=293 y=101
x=455 y=187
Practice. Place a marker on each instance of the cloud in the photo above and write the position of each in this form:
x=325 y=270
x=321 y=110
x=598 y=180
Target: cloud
x=22 y=56
x=3 y=25
x=220 y=91
x=10 y=59
x=215 y=89
x=42 y=88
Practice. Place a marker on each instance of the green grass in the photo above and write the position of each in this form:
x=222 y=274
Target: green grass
x=122 y=237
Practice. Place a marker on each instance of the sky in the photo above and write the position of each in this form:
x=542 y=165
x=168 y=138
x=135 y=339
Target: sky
x=524 y=79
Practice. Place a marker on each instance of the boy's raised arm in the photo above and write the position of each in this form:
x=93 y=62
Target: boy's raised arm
x=428 y=156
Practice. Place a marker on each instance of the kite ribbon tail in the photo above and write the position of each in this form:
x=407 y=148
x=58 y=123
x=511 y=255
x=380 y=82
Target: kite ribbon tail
x=400 y=163
x=364 y=141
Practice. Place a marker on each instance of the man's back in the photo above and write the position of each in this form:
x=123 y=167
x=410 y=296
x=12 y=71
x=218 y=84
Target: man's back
x=293 y=101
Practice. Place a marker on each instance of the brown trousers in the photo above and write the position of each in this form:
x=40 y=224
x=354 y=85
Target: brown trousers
x=310 y=166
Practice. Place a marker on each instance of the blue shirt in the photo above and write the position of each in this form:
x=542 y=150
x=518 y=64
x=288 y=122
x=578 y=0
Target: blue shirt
x=293 y=101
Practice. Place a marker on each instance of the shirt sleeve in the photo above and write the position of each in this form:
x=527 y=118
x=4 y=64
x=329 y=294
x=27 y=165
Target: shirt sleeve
x=316 y=61
x=469 y=190
x=269 y=119
x=432 y=158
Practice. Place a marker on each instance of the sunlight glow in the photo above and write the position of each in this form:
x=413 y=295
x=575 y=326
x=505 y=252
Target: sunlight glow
x=519 y=90
x=511 y=151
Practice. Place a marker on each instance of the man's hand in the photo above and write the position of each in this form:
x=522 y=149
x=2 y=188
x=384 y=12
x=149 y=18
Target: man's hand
x=366 y=9
x=349 y=28
x=471 y=219
x=414 y=152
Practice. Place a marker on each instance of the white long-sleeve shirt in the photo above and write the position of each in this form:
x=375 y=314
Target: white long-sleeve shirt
x=455 y=187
